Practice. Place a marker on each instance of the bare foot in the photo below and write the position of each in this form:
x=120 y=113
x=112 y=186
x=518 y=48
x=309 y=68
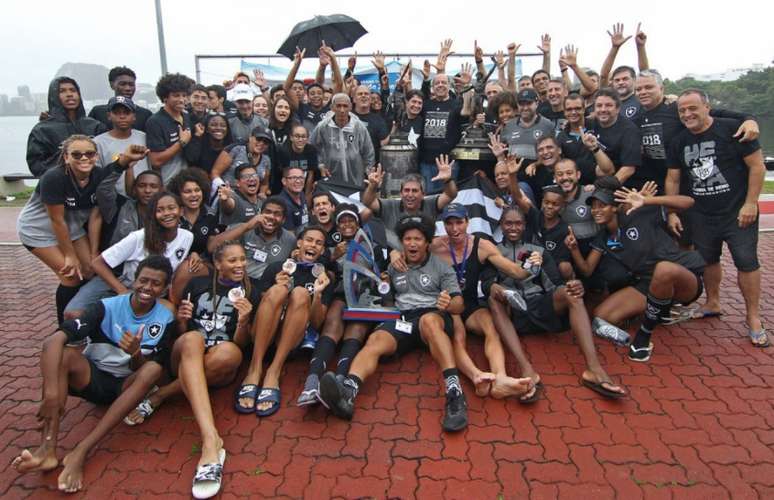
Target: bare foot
x=600 y=382
x=483 y=383
x=71 y=478
x=41 y=460
x=505 y=386
x=211 y=455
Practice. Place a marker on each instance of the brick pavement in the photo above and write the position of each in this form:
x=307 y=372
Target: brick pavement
x=699 y=422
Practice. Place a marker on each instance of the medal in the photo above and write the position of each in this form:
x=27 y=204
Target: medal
x=384 y=287
x=235 y=294
x=317 y=269
x=289 y=266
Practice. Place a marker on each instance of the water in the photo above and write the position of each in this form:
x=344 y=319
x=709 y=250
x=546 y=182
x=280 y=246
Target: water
x=15 y=129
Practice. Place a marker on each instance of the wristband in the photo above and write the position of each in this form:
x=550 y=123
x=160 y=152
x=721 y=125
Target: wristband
x=595 y=150
x=479 y=61
x=564 y=70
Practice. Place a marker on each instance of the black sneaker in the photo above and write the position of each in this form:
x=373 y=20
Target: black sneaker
x=456 y=417
x=641 y=354
x=338 y=395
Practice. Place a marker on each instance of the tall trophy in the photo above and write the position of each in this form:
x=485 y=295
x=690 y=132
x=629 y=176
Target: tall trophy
x=364 y=289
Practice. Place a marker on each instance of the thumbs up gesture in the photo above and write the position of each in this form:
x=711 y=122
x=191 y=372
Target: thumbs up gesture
x=130 y=343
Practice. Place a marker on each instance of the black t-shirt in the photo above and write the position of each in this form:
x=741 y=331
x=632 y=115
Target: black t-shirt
x=441 y=130
x=206 y=225
x=714 y=163
x=544 y=108
x=413 y=128
x=642 y=243
x=57 y=187
x=630 y=107
x=574 y=149
x=306 y=160
x=100 y=112
x=308 y=117
x=215 y=317
x=551 y=238
x=377 y=129
x=556 y=117
x=301 y=277
x=544 y=176
x=621 y=142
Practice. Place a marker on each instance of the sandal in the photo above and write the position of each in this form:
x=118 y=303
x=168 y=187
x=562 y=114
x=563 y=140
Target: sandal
x=599 y=388
x=760 y=338
x=206 y=482
x=268 y=396
x=537 y=391
x=246 y=391
x=144 y=409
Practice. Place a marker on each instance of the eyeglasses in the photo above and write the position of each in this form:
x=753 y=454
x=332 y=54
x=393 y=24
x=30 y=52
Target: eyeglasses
x=89 y=155
x=295 y=136
x=295 y=178
x=249 y=176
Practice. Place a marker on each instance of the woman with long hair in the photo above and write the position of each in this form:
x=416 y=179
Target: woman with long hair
x=160 y=235
x=261 y=106
x=215 y=316
x=51 y=224
x=281 y=120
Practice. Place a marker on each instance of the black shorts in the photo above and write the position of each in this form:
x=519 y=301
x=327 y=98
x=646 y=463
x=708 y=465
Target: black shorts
x=716 y=229
x=103 y=387
x=409 y=341
x=643 y=286
x=470 y=308
x=540 y=316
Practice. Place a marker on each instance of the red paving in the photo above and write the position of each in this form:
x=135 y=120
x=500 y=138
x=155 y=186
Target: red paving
x=699 y=422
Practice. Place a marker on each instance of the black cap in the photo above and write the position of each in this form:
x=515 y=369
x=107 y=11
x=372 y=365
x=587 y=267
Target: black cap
x=454 y=210
x=120 y=100
x=527 y=95
x=604 y=195
x=260 y=133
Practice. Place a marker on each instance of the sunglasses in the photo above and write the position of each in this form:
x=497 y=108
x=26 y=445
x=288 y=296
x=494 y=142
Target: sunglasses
x=89 y=155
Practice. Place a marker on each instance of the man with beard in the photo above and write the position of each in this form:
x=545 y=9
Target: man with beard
x=169 y=129
x=521 y=134
x=622 y=78
x=264 y=238
x=245 y=120
x=343 y=143
x=468 y=255
x=353 y=333
x=377 y=127
x=725 y=178
x=123 y=81
x=659 y=123
x=618 y=138
x=412 y=198
x=244 y=203
x=550 y=306
x=301 y=289
x=426 y=293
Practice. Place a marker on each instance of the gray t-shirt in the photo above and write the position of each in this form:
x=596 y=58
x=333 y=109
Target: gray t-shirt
x=522 y=141
x=261 y=251
x=244 y=210
x=239 y=155
x=241 y=129
x=420 y=286
x=577 y=215
x=108 y=149
x=391 y=212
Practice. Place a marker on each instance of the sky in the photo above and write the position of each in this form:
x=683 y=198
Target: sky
x=37 y=37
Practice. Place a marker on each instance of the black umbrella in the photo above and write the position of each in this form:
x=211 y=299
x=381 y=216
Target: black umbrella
x=337 y=30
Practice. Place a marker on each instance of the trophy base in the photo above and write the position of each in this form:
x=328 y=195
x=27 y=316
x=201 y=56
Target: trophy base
x=370 y=314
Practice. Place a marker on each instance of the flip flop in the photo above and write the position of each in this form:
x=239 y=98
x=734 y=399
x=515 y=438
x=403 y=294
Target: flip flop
x=246 y=391
x=539 y=388
x=144 y=409
x=602 y=390
x=268 y=395
x=678 y=314
x=704 y=313
x=206 y=482
x=759 y=339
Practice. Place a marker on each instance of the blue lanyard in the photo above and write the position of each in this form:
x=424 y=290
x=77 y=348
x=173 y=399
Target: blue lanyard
x=459 y=267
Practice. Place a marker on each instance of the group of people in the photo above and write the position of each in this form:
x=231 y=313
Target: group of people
x=192 y=239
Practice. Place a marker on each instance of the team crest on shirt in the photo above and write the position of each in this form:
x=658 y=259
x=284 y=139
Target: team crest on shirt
x=204 y=230
x=154 y=330
x=336 y=237
x=275 y=249
x=537 y=133
x=309 y=288
x=424 y=279
x=179 y=253
x=632 y=234
x=630 y=111
x=550 y=245
x=581 y=210
x=351 y=138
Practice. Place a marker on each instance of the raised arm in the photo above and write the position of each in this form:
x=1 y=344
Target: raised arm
x=545 y=48
x=478 y=55
x=371 y=193
x=297 y=58
x=512 y=48
x=586 y=265
x=234 y=233
x=636 y=199
x=604 y=163
x=445 y=175
x=501 y=63
x=642 y=55
x=513 y=167
x=570 y=57
x=443 y=55
x=336 y=79
x=617 y=39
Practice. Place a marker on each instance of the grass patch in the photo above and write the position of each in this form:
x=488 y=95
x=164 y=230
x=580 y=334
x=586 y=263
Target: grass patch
x=768 y=187
x=196 y=448
x=20 y=198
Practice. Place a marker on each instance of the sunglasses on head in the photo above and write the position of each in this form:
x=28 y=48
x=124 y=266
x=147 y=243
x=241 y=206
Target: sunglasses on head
x=89 y=155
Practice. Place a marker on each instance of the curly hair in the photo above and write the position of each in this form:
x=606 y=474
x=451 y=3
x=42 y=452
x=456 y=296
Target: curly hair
x=68 y=142
x=173 y=82
x=191 y=174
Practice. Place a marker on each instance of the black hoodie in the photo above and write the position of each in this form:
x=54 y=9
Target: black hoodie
x=45 y=140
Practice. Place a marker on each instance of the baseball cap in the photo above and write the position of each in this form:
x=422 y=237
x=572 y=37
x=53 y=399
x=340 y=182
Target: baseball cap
x=242 y=92
x=260 y=133
x=120 y=100
x=454 y=210
x=527 y=95
x=604 y=195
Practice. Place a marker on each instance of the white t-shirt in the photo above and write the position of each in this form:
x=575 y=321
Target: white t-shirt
x=131 y=250
x=109 y=148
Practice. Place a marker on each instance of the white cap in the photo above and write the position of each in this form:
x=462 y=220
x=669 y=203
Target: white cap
x=242 y=92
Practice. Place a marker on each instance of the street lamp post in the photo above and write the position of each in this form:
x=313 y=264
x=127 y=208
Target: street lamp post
x=162 y=48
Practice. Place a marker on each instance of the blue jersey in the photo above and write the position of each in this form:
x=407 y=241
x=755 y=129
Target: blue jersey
x=103 y=324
